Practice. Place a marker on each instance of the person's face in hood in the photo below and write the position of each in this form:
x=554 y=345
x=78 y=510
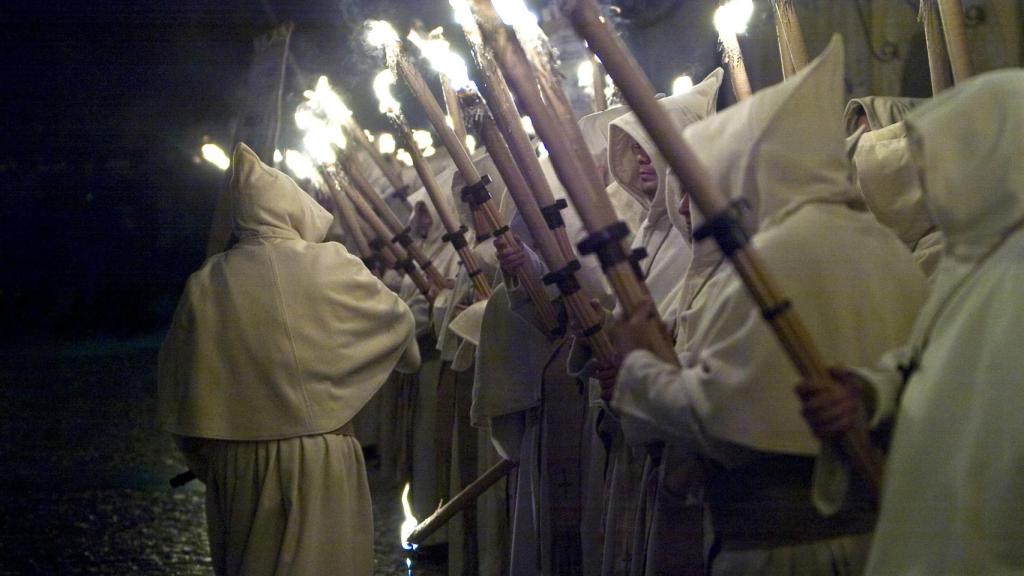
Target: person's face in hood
x=684 y=210
x=646 y=171
x=422 y=221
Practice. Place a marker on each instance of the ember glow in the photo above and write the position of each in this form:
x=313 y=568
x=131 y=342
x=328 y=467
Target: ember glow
x=442 y=59
x=682 y=84
x=382 y=89
x=215 y=155
x=318 y=145
x=733 y=16
x=410 y=522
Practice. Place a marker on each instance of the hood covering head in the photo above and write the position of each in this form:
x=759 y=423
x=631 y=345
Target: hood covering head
x=783 y=147
x=888 y=181
x=966 y=145
x=684 y=109
x=266 y=202
x=595 y=130
x=881 y=111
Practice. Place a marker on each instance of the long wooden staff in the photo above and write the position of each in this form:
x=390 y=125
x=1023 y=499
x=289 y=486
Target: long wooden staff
x=475 y=192
x=952 y=12
x=576 y=171
x=722 y=222
x=791 y=36
x=399 y=231
x=938 y=56
x=381 y=230
x=355 y=132
x=347 y=213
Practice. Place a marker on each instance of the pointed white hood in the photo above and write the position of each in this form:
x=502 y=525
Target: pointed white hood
x=966 y=145
x=279 y=336
x=684 y=109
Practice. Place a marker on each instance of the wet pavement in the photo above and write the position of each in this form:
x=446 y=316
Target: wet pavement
x=84 y=487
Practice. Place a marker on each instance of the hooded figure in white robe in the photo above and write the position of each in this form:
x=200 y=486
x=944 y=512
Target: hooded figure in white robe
x=276 y=344
x=595 y=133
x=854 y=286
x=630 y=470
x=886 y=177
x=951 y=500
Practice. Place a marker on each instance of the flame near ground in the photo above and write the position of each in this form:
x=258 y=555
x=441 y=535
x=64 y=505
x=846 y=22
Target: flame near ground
x=410 y=522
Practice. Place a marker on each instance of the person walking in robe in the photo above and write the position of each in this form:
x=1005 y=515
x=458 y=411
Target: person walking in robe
x=952 y=489
x=780 y=154
x=275 y=345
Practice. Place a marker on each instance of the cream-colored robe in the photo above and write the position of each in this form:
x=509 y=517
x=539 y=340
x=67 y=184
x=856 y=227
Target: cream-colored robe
x=275 y=345
x=851 y=281
x=951 y=502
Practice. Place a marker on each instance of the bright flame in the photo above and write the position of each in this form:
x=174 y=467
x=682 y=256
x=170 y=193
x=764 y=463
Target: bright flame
x=403 y=156
x=463 y=14
x=733 y=16
x=423 y=139
x=380 y=33
x=300 y=165
x=326 y=101
x=318 y=145
x=410 y=522
x=382 y=88
x=369 y=135
x=585 y=75
x=527 y=123
x=470 y=143
x=215 y=155
x=682 y=84
x=441 y=57
x=306 y=117
x=278 y=157
x=386 y=143
x=516 y=14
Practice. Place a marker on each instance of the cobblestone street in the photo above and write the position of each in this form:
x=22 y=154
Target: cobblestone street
x=85 y=489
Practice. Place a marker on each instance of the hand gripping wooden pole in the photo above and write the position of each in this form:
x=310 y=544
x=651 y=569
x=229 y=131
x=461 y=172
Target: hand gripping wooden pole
x=529 y=189
x=564 y=269
x=404 y=261
x=455 y=231
x=952 y=12
x=722 y=222
x=475 y=192
x=577 y=172
x=791 y=36
x=399 y=231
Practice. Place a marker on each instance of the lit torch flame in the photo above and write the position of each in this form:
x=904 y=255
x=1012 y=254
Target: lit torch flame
x=403 y=156
x=733 y=16
x=381 y=34
x=215 y=155
x=516 y=14
x=464 y=16
x=425 y=142
x=410 y=522
x=585 y=76
x=382 y=84
x=386 y=143
x=328 y=102
x=300 y=165
x=442 y=59
x=682 y=84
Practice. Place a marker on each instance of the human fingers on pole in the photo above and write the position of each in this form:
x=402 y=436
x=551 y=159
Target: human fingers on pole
x=835 y=409
x=607 y=375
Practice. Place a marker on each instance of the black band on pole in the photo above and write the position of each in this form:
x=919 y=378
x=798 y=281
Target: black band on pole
x=565 y=278
x=371 y=261
x=476 y=195
x=376 y=243
x=406 y=265
x=500 y=231
x=772 y=311
x=635 y=257
x=726 y=228
x=590 y=331
x=483 y=237
x=607 y=244
x=403 y=237
x=475 y=273
x=402 y=192
x=426 y=264
x=457 y=238
x=553 y=213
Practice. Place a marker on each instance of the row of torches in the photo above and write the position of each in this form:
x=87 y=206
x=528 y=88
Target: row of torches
x=513 y=55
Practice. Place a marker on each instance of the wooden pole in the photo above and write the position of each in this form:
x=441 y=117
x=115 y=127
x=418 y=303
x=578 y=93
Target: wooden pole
x=722 y=222
x=576 y=171
x=600 y=101
x=355 y=132
x=575 y=296
x=938 y=56
x=456 y=233
x=399 y=231
x=792 y=34
x=785 y=57
x=381 y=230
x=952 y=13
x=346 y=210
x=451 y=101
x=733 y=57
x=460 y=501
